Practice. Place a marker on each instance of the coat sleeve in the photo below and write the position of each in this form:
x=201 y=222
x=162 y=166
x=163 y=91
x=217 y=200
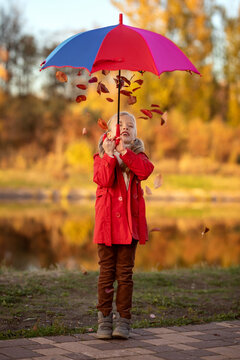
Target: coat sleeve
x=103 y=170
x=139 y=164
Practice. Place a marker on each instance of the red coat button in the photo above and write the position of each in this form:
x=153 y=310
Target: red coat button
x=120 y=198
x=118 y=214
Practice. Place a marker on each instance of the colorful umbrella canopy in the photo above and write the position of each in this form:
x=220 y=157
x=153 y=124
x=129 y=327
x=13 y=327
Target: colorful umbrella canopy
x=119 y=47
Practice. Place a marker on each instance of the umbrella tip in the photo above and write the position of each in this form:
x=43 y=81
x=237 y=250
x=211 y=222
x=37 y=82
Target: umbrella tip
x=120 y=18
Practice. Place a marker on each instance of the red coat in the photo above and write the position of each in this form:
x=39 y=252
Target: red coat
x=120 y=214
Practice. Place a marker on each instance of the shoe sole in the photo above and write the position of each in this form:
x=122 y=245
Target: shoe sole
x=104 y=336
x=120 y=336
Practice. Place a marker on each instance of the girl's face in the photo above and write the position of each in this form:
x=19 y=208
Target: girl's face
x=127 y=129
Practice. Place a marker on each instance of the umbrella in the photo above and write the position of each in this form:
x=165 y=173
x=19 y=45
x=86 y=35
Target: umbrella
x=119 y=47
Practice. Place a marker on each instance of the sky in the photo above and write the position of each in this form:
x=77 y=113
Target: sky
x=64 y=18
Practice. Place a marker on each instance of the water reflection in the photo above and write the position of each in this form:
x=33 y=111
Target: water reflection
x=48 y=235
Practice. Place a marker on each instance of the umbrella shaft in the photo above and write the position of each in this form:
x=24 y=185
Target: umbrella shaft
x=119 y=85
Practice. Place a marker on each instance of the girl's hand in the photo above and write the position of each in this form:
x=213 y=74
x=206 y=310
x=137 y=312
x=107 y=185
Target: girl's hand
x=121 y=148
x=109 y=146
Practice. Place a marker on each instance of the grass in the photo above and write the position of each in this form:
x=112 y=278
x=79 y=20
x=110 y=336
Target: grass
x=51 y=302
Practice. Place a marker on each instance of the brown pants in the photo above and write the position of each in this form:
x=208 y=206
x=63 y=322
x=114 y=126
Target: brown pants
x=116 y=263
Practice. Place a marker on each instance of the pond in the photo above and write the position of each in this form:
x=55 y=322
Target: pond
x=47 y=235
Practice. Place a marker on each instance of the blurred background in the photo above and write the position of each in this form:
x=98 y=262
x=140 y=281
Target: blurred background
x=47 y=193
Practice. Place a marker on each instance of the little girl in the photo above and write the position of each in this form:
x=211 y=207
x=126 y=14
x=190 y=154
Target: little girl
x=120 y=221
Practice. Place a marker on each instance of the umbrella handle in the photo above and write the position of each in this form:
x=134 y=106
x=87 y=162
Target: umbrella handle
x=117 y=134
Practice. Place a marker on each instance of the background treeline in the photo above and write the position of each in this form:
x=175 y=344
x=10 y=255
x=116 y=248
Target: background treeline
x=41 y=124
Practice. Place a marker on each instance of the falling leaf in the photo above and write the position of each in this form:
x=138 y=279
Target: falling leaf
x=139 y=87
x=155 y=229
x=109 y=99
x=205 y=231
x=109 y=290
x=158 y=111
x=164 y=118
x=117 y=83
x=125 y=92
x=146 y=112
x=132 y=100
x=81 y=98
x=61 y=76
x=81 y=86
x=152 y=316
x=158 y=181
x=143 y=117
x=124 y=79
x=102 y=88
x=80 y=72
x=139 y=82
x=105 y=72
x=84 y=131
x=155 y=105
x=148 y=190
x=93 y=80
x=102 y=123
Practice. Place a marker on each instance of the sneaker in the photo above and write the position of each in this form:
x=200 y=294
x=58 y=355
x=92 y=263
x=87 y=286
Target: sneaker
x=105 y=326
x=122 y=328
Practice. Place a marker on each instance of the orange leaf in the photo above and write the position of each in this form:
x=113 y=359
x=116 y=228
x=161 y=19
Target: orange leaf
x=105 y=72
x=81 y=86
x=164 y=118
x=102 y=124
x=139 y=87
x=81 y=98
x=148 y=190
x=158 y=111
x=84 y=131
x=155 y=229
x=132 y=100
x=139 y=82
x=61 y=76
x=146 y=112
x=93 y=80
x=109 y=99
x=158 y=181
x=125 y=92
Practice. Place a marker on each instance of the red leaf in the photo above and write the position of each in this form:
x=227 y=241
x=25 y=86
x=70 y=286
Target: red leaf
x=102 y=123
x=109 y=99
x=158 y=111
x=99 y=88
x=139 y=82
x=61 y=76
x=139 y=87
x=146 y=112
x=132 y=100
x=93 y=80
x=103 y=88
x=105 y=72
x=155 y=105
x=158 y=181
x=124 y=79
x=80 y=72
x=117 y=83
x=125 y=92
x=81 y=98
x=81 y=86
x=143 y=117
